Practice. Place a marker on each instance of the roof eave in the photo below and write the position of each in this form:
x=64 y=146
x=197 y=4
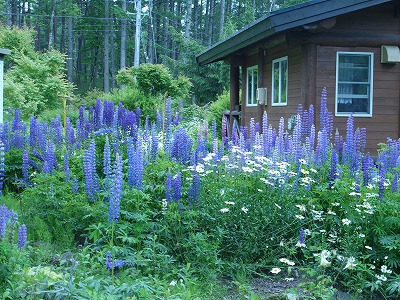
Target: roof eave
x=272 y=24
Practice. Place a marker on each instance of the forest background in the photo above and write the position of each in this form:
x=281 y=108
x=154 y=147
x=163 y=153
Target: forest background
x=90 y=41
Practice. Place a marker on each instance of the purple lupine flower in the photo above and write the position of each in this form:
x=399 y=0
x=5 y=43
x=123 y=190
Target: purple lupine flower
x=116 y=191
x=177 y=186
x=159 y=122
x=224 y=130
x=258 y=145
x=33 y=139
x=131 y=162
x=168 y=187
x=349 y=144
x=80 y=125
x=50 y=162
x=56 y=130
x=22 y=236
x=139 y=163
x=367 y=166
x=107 y=158
x=214 y=130
x=114 y=263
x=109 y=261
x=75 y=185
x=252 y=132
x=121 y=114
x=1 y=167
x=333 y=167
x=154 y=144
x=98 y=115
x=67 y=171
x=108 y=113
x=3 y=220
x=25 y=166
x=69 y=138
x=302 y=238
x=89 y=168
x=182 y=145
x=194 y=189
x=324 y=109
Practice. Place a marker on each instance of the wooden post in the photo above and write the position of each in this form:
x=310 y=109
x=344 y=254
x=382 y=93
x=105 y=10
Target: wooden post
x=3 y=52
x=261 y=68
x=234 y=88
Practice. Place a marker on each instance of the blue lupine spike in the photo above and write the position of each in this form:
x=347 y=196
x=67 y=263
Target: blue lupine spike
x=177 y=186
x=131 y=162
x=107 y=158
x=194 y=189
x=214 y=129
x=252 y=132
x=75 y=185
x=159 y=122
x=2 y=171
x=116 y=191
x=22 y=236
x=121 y=114
x=3 y=220
x=154 y=144
x=139 y=163
x=168 y=187
x=89 y=167
x=182 y=145
x=25 y=166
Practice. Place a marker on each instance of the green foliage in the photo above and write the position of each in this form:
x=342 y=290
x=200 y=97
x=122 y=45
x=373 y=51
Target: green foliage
x=155 y=80
x=35 y=80
x=133 y=98
x=216 y=108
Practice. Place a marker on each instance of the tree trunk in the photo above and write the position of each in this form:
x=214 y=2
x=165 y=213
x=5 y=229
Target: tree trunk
x=8 y=13
x=211 y=23
x=106 y=68
x=222 y=20
x=112 y=54
x=150 y=33
x=70 y=62
x=188 y=19
x=137 y=32
x=51 y=29
x=124 y=23
x=62 y=39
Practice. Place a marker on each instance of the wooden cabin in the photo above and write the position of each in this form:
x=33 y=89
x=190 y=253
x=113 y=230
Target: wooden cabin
x=287 y=57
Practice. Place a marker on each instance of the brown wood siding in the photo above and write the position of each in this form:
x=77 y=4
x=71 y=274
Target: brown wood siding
x=294 y=86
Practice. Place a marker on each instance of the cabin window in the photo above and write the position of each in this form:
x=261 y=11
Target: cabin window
x=252 y=85
x=354 y=84
x=279 y=81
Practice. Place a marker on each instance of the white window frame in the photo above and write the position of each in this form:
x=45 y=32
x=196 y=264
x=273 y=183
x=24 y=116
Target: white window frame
x=280 y=88
x=369 y=83
x=252 y=100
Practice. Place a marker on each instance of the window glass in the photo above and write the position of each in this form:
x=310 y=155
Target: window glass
x=354 y=84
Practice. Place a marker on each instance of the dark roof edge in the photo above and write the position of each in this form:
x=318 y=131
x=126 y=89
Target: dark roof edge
x=278 y=21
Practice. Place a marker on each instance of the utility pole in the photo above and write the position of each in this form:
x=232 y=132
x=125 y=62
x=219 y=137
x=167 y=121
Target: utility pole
x=137 y=33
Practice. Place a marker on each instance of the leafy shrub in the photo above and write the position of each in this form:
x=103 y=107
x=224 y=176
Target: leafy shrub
x=216 y=108
x=35 y=80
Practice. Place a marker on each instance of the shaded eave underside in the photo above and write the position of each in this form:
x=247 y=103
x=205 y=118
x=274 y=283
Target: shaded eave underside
x=281 y=20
